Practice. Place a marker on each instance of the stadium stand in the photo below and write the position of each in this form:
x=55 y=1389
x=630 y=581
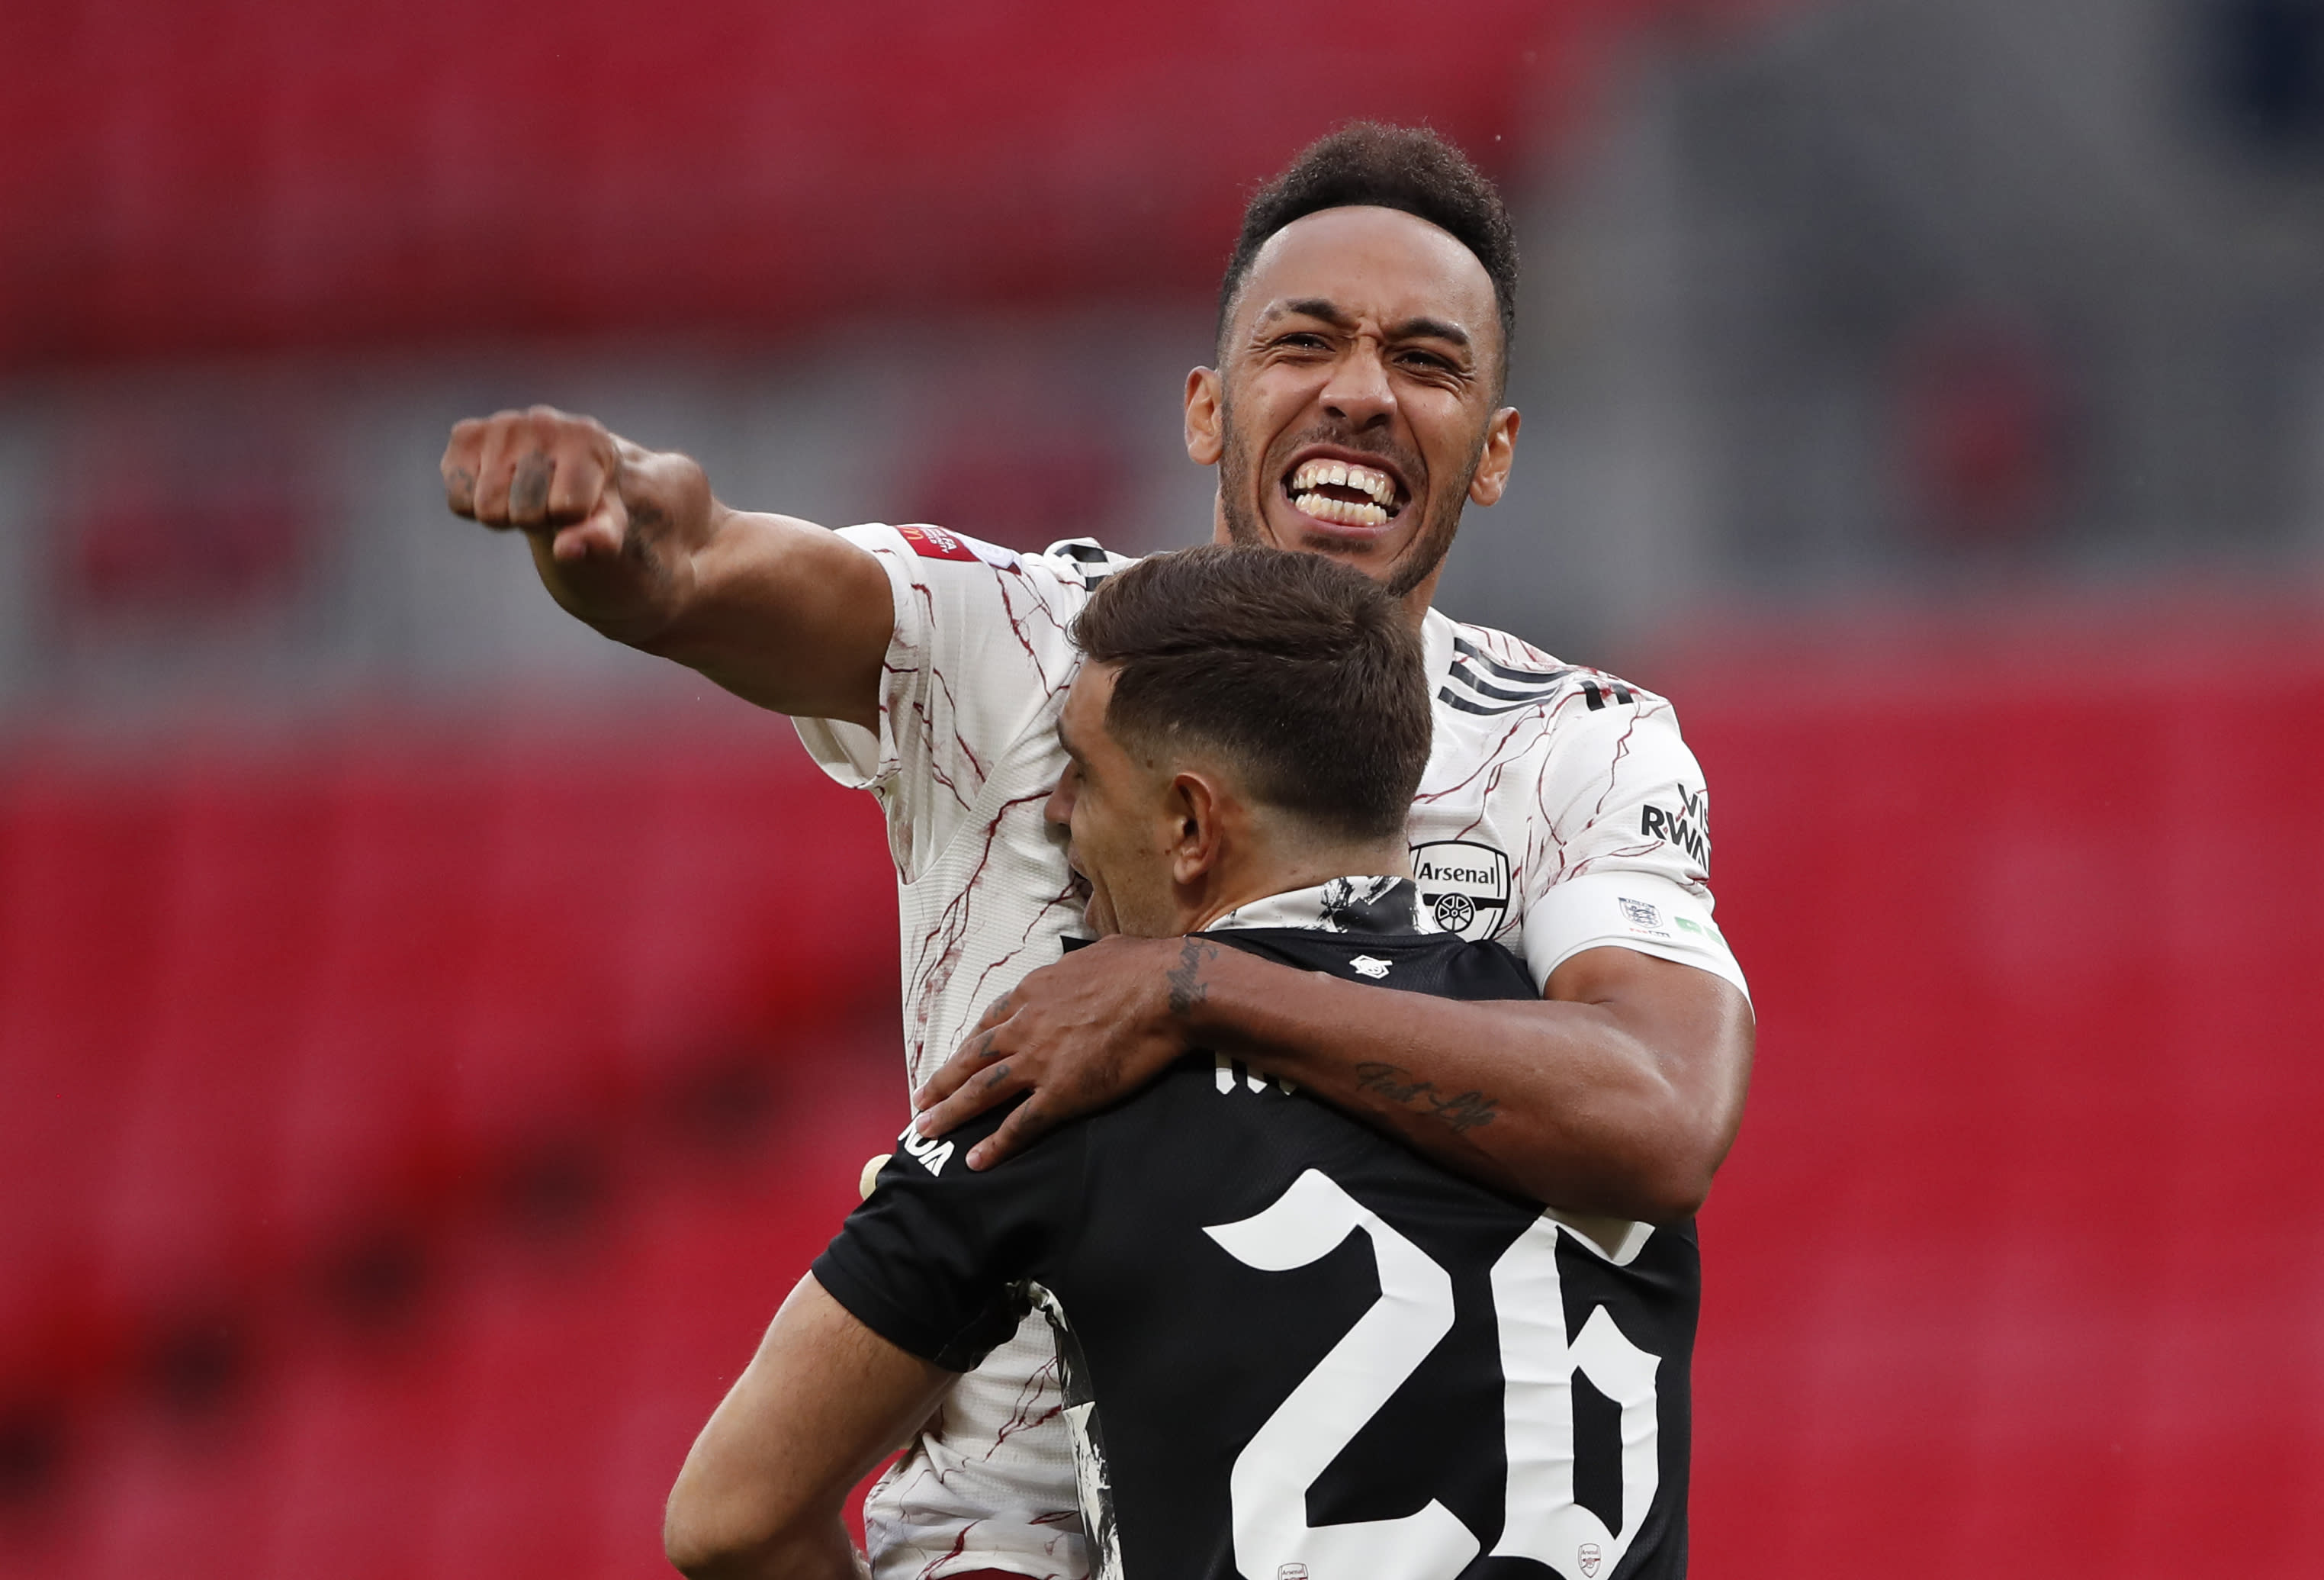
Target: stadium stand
x=335 y=1073
x=2018 y=1253
x=260 y=173
x=406 y=1128
x=415 y=1132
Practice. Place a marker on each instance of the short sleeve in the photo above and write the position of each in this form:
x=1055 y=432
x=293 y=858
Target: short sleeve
x=931 y=1260
x=1631 y=815
x=981 y=650
x=1633 y=910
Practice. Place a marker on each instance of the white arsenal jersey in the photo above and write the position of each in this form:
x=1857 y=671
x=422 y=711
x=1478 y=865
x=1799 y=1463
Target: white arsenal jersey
x=1559 y=812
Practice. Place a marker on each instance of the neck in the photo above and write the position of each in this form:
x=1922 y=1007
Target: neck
x=1231 y=882
x=1418 y=601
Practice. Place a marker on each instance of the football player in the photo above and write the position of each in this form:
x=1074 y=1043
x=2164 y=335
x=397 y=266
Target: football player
x=1289 y=1344
x=1354 y=411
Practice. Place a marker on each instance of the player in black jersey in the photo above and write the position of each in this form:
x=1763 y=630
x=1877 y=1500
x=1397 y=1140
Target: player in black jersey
x=1295 y=1349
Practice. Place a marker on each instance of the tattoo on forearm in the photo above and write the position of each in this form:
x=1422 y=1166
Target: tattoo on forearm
x=1465 y=1112
x=1187 y=987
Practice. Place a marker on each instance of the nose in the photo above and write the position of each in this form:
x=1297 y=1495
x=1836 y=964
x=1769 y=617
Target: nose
x=1058 y=810
x=1358 y=392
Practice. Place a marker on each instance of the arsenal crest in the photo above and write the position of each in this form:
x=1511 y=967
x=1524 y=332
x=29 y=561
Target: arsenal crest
x=1465 y=886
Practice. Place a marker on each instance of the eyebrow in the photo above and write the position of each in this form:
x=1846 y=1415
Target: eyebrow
x=1066 y=740
x=1413 y=328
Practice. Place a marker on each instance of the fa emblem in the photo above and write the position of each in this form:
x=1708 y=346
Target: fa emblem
x=1464 y=887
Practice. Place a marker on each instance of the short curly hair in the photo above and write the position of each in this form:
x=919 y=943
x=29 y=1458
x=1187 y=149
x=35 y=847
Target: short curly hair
x=1407 y=167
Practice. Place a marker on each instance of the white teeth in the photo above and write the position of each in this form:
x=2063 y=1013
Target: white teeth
x=1322 y=473
x=1340 y=512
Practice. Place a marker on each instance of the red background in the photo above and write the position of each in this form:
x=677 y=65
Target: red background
x=406 y=1128
x=2017 y=1252
x=210 y=174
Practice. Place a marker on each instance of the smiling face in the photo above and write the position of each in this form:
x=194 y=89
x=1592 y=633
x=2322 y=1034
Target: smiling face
x=1355 y=409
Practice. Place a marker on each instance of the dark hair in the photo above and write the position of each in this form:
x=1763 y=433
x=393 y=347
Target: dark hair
x=1304 y=673
x=1407 y=168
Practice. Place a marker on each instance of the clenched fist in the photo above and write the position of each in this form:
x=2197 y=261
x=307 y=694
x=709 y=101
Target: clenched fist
x=612 y=528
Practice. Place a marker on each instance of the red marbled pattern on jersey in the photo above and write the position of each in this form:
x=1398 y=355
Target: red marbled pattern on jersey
x=974 y=685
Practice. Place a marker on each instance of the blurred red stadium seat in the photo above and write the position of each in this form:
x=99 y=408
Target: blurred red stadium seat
x=2017 y=1257
x=366 y=1104
x=254 y=173
x=191 y=1203
x=2019 y=1251
x=80 y=920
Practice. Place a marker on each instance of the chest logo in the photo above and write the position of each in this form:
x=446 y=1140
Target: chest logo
x=927 y=1150
x=1368 y=965
x=1465 y=886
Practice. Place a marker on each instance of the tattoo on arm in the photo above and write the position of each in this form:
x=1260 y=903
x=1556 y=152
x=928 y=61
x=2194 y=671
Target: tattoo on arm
x=1464 y=1111
x=1187 y=987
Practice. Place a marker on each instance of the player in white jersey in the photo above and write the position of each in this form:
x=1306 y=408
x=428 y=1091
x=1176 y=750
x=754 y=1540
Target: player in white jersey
x=1354 y=411
x=1558 y=813
x=1278 y=704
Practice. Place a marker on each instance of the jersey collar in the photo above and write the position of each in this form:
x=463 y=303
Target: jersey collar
x=1381 y=905
x=1437 y=648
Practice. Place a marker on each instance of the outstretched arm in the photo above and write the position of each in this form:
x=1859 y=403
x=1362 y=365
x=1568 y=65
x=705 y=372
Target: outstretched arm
x=1616 y=1093
x=632 y=542
x=823 y=1400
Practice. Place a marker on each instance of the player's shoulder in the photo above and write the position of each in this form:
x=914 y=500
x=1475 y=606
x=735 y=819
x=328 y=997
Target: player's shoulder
x=1085 y=559
x=1492 y=674
x=939 y=1164
x=1442 y=964
x=1076 y=562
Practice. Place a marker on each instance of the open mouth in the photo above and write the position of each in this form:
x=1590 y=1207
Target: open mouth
x=1344 y=494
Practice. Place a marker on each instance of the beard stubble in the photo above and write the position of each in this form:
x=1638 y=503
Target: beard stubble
x=1421 y=555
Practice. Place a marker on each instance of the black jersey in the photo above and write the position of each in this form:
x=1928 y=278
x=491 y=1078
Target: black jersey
x=1293 y=1349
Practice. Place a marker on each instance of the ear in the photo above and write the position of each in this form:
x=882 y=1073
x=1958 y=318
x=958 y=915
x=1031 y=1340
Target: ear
x=1206 y=439
x=1500 y=453
x=1197 y=802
